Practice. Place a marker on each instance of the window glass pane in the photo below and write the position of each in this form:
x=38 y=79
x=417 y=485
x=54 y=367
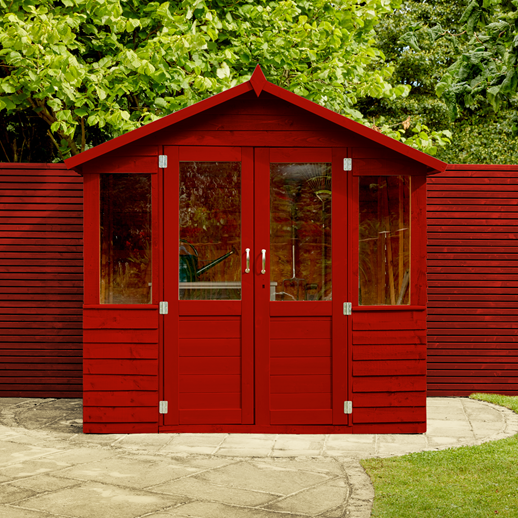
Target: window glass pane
x=210 y=230
x=384 y=251
x=300 y=232
x=125 y=239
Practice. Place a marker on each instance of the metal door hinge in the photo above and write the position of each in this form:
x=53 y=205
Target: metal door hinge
x=162 y=161
x=348 y=308
x=348 y=407
x=348 y=164
x=162 y=407
x=163 y=308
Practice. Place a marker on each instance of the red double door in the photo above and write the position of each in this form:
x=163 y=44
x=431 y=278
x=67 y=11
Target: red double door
x=256 y=273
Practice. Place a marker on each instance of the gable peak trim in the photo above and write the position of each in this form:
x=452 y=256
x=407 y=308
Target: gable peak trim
x=258 y=80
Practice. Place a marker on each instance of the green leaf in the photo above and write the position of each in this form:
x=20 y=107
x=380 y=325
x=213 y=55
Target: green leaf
x=223 y=71
x=81 y=112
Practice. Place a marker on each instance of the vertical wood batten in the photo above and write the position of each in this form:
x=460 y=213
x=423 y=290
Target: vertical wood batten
x=472 y=214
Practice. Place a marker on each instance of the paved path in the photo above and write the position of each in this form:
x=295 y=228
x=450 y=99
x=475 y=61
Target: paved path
x=48 y=468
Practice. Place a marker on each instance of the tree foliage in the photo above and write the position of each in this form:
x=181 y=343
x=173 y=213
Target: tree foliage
x=423 y=40
x=94 y=69
x=486 y=69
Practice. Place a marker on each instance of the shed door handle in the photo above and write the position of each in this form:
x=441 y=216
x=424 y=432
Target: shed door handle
x=247 y=269
x=263 y=252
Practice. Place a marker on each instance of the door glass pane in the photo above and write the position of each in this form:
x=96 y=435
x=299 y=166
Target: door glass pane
x=125 y=239
x=210 y=230
x=384 y=205
x=300 y=232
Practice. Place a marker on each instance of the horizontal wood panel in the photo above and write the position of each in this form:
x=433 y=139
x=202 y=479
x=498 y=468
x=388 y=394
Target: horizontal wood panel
x=304 y=400
x=121 y=350
x=297 y=347
x=58 y=365
x=121 y=336
x=294 y=309
x=209 y=400
x=204 y=308
x=121 y=367
x=390 y=337
x=264 y=122
x=196 y=383
x=210 y=416
x=120 y=318
x=299 y=416
x=205 y=347
x=389 y=352
x=389 y=415
x=389 y=383
x=40 y=338
x=390 y=399
x=458 y=182
x=208 y=365
x=481 y=317
x=495 y=371
x=296 y=327
x=42 y=354
x=310 y=365
x=499 y=340
x=301 y=383
x=66 y=371
x=120 y=398
x=100 y=382
x=209 y=328
x=389 y=321
x=40 y=383
x=389 y=367
x=509 y=381
x=50 y=322
x=303 y=139
x=116 y=414
x=59 y=391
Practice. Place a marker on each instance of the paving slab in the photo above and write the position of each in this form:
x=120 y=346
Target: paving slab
x=95 y=500
x=49 y=468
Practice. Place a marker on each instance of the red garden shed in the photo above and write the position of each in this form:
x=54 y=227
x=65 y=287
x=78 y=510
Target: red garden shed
x=225 y=246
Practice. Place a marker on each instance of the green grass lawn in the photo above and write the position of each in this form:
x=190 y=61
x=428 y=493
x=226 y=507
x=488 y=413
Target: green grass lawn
x=471 y=481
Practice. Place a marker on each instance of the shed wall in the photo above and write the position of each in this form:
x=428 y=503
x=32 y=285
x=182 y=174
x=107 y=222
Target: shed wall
x=473 y=280
x=41 y=281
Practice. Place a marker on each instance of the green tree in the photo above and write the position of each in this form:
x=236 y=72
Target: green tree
x=486 y=69
x=94 y=69
x=423 y=40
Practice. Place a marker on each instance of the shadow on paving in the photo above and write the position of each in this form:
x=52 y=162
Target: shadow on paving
x=55 y=415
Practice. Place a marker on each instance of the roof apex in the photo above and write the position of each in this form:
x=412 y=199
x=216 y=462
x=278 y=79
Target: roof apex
x=258 y=80
x=258 y=83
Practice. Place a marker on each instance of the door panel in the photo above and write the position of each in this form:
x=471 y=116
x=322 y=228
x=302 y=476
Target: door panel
x=211 y=338
x=295 y=311
x=261 y=341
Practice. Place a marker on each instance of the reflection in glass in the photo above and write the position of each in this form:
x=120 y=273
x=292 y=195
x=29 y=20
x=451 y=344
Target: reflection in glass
x=384 y=240
x=210 y=230
x=300 y=231
x=125 y=239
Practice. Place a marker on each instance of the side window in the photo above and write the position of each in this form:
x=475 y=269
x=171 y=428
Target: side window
x=125 y=239
x=384 y=240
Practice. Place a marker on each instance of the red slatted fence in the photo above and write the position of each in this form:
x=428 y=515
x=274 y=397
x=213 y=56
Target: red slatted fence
x=473 y=280
x=41 y=281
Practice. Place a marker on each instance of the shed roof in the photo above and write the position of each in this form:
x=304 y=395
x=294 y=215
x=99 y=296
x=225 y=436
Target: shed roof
x=258 y=83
